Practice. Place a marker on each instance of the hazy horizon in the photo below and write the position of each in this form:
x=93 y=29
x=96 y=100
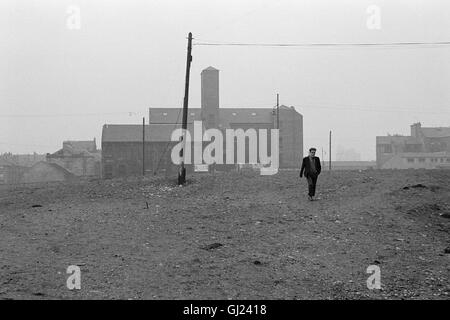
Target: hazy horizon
x=58 y=83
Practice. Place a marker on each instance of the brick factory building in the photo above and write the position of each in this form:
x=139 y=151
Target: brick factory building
x=122 y=144
x=122 y=152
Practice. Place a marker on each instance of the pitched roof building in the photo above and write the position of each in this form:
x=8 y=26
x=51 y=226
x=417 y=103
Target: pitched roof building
x=81 y=158
x=44 y=171
x=426 y=147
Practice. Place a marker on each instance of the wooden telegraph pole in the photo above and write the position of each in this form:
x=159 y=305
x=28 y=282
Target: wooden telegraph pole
x=143 y=146
x=182 y=170
x=323 y=159
x=278 y=111
x=329 y=163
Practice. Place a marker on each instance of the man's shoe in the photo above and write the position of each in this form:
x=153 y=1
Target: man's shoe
x=310 y=198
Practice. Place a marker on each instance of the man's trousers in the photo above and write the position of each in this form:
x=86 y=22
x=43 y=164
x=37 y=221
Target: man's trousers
x=312 y=180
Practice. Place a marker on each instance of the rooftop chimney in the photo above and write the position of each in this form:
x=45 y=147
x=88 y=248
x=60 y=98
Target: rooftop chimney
x=210 y=97
x=415 y=129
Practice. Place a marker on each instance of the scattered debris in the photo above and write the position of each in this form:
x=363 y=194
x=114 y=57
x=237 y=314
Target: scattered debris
x=419 y=185
x=445 y=215
x=425 y=208
x=165 y=189
x=434 y=188
x=278 y=281
x=36 y=206
x=212 y=246
x=39 y=294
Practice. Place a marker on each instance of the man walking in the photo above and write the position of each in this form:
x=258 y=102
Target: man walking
x=311 y=167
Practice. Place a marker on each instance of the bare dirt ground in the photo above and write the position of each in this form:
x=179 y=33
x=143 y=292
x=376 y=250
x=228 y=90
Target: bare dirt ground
x=229 y=236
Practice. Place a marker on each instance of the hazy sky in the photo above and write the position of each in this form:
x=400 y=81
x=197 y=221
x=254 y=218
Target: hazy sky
x=58 y=83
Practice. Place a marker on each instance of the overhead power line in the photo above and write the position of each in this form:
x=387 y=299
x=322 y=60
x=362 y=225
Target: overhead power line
x=349 y=107
x=130 y=113
x=258 y=105
x=374 y=109
x=306 y=45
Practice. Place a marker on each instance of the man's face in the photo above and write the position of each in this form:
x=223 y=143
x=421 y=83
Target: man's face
x=312 y=153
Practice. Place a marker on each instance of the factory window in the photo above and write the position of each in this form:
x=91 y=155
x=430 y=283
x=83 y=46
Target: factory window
x=410 y=160
x=234 y=113
x=386 y=148
x=192 y=114
x=422 y=160
x=448 y=159
x=164 y=113
x=253 y=113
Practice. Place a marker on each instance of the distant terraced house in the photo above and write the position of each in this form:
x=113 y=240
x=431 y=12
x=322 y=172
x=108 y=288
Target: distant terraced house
x=13 y=166
x=81 y=158
x=44 y=171
x=425 y=148
x=10 y=172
